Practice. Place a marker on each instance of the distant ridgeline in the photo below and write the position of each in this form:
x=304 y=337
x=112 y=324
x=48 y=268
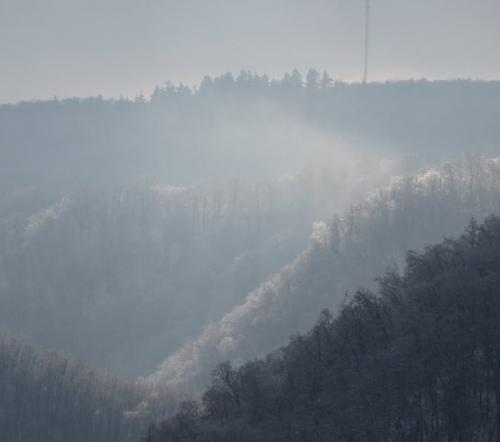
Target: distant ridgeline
x=250 y=124
x=417 y=360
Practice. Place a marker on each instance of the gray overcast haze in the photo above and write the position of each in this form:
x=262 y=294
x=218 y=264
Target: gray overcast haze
x=124 y=47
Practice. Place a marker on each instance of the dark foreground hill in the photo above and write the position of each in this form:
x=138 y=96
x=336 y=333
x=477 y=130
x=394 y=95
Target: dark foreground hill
x=417 y=361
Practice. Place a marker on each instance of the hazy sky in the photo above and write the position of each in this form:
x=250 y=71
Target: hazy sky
x=113 y=47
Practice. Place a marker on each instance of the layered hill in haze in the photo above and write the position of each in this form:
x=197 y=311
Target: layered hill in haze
x=249 y=126
x=155 y=238
x=48 y=397
x=119 y=277
x=343 y=254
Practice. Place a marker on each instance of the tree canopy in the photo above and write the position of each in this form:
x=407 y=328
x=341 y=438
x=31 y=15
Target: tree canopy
x=417 y=360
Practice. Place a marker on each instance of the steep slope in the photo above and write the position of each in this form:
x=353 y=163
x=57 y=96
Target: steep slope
x=417 y=361
x=343 y=254
x=120 y=277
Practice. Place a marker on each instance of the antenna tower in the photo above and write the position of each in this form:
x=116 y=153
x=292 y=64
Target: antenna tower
x=367 y=39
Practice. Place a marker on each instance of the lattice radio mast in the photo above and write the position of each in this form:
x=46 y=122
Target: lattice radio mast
x=367 y=39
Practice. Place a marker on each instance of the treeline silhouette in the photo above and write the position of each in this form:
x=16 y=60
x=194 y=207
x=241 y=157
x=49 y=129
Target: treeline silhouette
x=417 y=360
x=239 y=124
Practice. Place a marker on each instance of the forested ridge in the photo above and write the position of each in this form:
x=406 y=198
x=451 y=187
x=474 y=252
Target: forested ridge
x=249 y=124
x=121 y=277
x=347 y=251
x=112 y=231
x=48 y=397
x=153 y=238
x=249 y=221
x=416 y=360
